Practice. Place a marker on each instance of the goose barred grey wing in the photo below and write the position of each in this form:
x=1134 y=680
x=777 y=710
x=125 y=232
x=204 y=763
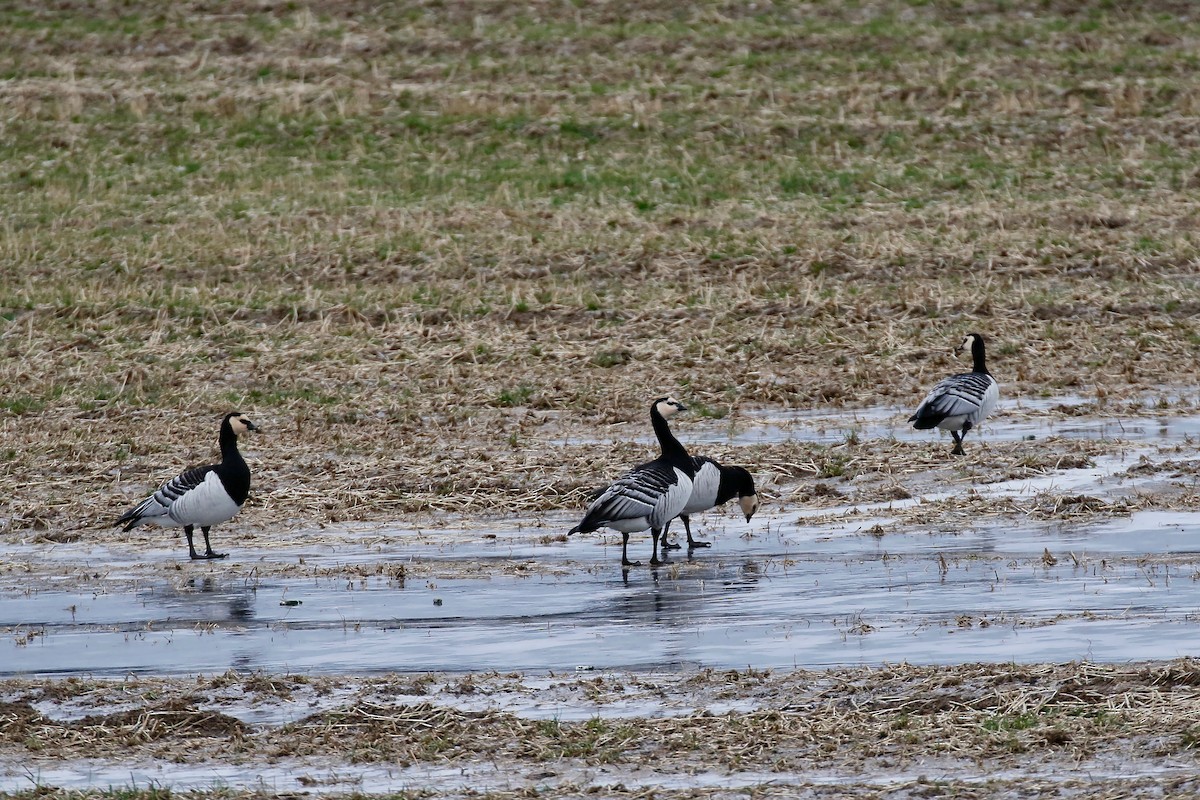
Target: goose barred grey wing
x=970 y=396
x=648 y=496
x=159 y=504
x=183 y=483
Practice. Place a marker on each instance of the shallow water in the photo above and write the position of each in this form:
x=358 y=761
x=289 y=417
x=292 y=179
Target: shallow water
x=847 y=585
x=1013 y=421
x=789 y=595
x=796 y=587
x=309 y=777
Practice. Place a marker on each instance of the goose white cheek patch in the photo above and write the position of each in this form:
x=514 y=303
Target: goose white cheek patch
x=749 y=504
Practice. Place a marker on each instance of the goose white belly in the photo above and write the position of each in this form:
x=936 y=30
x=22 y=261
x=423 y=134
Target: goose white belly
x=633 y=525
x=705 y=487
x=954 y=423
x=206 y=504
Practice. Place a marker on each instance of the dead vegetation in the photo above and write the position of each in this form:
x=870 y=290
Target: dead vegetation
x=1056 y=723
x=409 y=271
x=445 y=254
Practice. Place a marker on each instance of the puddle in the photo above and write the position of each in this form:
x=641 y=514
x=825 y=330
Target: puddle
x=316 y=777
x=309 y=777
x=288 y=775
x=1013 y=421
x=796 y=588
x=1108 y=478
x=790 y=595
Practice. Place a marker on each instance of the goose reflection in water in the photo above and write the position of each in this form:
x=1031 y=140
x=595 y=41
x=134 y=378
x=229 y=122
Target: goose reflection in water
x=204 y=600
x=674 y=598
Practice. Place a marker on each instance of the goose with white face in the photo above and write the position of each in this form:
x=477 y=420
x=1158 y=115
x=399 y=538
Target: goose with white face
x=201 y=496
x=648 y=496
x=669 y=407
x=960 y=402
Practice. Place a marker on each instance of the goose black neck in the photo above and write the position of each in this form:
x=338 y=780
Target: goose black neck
x=666 y=440
x=977 y=355
x=229 y=447
x=735 y=482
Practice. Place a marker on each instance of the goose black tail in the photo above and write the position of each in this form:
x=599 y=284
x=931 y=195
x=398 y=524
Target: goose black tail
x=582 y=527
x=131 y=518
x=924 y=422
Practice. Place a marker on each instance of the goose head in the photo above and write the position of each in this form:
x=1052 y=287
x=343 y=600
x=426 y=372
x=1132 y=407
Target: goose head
x=239 y=423
x=968 y=344
x=667 y=407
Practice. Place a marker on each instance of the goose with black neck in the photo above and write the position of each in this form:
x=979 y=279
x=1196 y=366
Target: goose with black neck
x=201 y=496
x=650 y=495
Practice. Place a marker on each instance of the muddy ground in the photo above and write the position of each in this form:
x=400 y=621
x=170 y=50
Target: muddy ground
x=446 y=254
x=899 y=731
x=830 y=647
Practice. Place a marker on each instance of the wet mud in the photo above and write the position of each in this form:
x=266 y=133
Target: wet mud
x=1092 y=562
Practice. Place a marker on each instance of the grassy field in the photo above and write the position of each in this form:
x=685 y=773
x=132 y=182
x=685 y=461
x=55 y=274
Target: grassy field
x=408 y=237
x=419 y=243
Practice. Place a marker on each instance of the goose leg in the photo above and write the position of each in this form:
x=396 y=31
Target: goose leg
x=208 y=551
x=957 y=451
x=655 y=533
x=625 y=562
x=666 y=545
x=187 y=531
x=692 y=543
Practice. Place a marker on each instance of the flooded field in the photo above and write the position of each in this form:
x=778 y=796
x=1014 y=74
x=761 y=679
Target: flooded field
x=446 y=255
x=1090 y=563
x=797 y=587
x=787 y=595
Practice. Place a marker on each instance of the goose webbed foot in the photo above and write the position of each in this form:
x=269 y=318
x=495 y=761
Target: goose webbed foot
x=665 y=543
x=209 y=553
x=692 y=543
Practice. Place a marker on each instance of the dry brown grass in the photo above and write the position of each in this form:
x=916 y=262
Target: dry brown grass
x=1040 y=720
x=421 y=271
x=407 y=265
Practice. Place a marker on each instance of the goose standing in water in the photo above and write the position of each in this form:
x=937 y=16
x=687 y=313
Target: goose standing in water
x=650 y=495
x=960 y=402
x=715 y=485
x=203 y=496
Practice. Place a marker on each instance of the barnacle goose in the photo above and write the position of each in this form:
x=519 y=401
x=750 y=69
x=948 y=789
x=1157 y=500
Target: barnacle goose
x=650 y=495
x=201 y=496
x=715 y=485
x=960 y=402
